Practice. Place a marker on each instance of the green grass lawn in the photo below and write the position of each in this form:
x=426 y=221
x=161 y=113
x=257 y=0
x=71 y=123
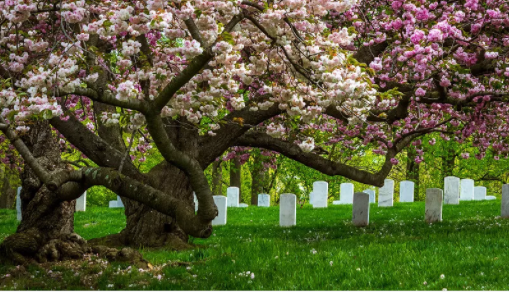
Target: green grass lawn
x=398 y=251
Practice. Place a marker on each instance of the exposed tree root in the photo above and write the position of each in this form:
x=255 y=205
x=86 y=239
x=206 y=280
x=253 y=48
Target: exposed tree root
x=30 y=248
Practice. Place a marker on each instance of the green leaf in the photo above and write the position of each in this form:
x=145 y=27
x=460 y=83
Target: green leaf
x=227 y=37
x=107 y=23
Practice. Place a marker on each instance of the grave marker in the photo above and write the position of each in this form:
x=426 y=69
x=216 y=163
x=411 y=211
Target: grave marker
x=346 y=193
x=386 y=194
x=467 y=190
x=120 y=204
x=320 y=194
x=505 y=201
x=312 y=198
x=221 y=202
x=116 y=203
x=360 y=209
x=479 y=193
x=288 y=210
x=263 y=200
x=371 y=193
x=81 y=203
x=406 y=191
x=433 y=208
x=233 y=196
x=451 y=190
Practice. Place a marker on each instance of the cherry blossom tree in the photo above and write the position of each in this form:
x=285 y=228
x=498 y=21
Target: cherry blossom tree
x=188 y=80
x=449 y=61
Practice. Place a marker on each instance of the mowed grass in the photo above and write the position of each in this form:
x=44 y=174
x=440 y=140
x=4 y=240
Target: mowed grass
x=398 y=251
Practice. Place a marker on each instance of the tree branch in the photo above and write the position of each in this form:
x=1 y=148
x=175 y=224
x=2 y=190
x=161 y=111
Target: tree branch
x=196 y=64
x=292 y=151
x=108 y=98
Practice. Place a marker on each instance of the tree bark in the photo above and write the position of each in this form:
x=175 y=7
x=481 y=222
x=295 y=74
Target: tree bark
x=146 y=227
x=46 y=231
x=448 y=160
x=235 y=175
x=217 y=178
x=412 y=169
x=258 y=178
x=8 y=193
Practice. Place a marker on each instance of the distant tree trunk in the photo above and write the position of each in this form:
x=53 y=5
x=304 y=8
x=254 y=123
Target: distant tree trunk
x=258 y=178
x=412 y=169
x=8 y=194
x=217 y=178
x=448 y=161
x=235 y=175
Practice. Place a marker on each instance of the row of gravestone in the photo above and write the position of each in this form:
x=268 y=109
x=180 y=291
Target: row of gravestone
x=360 y=209
x=456 y=189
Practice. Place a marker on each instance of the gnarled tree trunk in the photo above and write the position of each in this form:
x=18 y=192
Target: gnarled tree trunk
x=46 y=231
x=146 y=227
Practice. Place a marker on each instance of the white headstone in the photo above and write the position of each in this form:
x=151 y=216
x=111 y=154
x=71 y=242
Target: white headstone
x=505 y=201
x=288 y=210
x=451 y=190
x=18 y=204
x=263 y=200
x=311 y=198
x=433 y=207
x=320 y=200
x=346 y=193
x=195 y=202
x=81 y=203
x=337 y=203
x=490 y=198
x=117 y=203
x=120 y=204
x=233 y=196
x=386 y=194
x=320 y=194
x=360 y=209
x=372 y=196
x=406 y=191
x=113 y=204
x=467 y=190
x=243 y=205
x=479 y=193
x=221 y=202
